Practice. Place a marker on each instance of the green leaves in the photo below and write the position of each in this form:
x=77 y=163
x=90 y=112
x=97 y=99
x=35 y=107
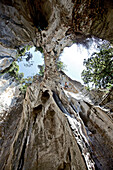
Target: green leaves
x=39 y=49
x=41 y=72
x=22 y=52
x=60 y=65
x=99 y=68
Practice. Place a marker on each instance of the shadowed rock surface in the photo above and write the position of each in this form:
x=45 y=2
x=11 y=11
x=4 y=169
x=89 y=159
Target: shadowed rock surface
x=53 y=128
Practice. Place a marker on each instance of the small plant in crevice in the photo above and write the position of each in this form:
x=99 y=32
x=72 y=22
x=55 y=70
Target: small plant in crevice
x=59 y=65
x=41 y=68
x=39 y=49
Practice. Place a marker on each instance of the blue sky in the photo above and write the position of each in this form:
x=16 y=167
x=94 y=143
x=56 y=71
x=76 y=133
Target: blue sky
x=33 y=69
x=72 y=56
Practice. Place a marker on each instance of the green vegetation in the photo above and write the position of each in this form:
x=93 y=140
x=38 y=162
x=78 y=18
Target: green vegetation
x=13 y=70
x=39 y=49
x=41 y=72
x=25 y=83
x=22 y=51
x=60 y=65
x=99 y=68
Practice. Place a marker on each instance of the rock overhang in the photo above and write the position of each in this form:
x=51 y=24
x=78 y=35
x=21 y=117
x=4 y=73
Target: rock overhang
x=54 y=25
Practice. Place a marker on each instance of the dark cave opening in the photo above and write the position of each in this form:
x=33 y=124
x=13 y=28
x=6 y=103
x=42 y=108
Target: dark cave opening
x=40 y=12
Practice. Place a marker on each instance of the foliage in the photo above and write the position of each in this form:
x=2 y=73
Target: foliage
x=41 y=72
x=99 y=68
x=25 y=83
x=23 y=89
x=13 y=70
x=39 y=49
x=22 y=51
x=61 y=65
x=109 y=86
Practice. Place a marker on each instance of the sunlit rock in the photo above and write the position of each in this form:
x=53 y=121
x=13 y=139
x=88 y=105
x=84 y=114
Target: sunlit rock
x=5 y=63
x=55 y=127
x=9 y=95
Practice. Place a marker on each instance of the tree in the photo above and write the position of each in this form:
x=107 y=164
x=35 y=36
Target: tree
x=99 y=68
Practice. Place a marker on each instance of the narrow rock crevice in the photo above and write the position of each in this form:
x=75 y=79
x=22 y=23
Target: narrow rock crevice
x=21 y=161
x=45 y=96
x=36 y=111
x=79 y=132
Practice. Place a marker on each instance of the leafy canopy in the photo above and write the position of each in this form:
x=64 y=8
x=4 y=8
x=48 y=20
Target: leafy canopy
x=99 y=68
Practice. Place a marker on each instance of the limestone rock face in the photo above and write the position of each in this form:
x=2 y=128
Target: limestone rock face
x=9 y=88
x=7 y=52
x=9 y=95
x=54 y=24
x=53 y=128
x=56 y=129
x=5 y=63
x=37 y=21
x=93 y=18
x=43 y=137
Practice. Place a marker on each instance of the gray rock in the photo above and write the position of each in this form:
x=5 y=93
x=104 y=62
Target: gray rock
x=5 y=63
x=40 y=134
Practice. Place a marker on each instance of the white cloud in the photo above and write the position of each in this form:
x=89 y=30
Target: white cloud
x=73 y=57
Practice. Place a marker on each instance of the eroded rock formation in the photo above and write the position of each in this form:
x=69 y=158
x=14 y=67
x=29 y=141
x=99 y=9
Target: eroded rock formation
x=54 y=128
x=43 y=138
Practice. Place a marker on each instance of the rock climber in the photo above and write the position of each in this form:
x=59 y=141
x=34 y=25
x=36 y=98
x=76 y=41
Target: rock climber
x=66 y=86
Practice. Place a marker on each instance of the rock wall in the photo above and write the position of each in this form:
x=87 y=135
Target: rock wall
x=99 y=127
x=93 y=18
x=43 y=139
x=53 y=128
x=53 y=25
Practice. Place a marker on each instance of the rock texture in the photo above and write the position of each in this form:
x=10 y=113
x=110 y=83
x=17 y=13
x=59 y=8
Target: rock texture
x=54 y=128
x=9 y=88
x=93 y=18
x=43 y=137
x=53 y=24
x=99 y=128
x=9 y=95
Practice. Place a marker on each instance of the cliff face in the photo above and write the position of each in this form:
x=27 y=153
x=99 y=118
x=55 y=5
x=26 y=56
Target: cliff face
x=53 y=127
x=43 y=137
x=94 y=18
x=56 y=128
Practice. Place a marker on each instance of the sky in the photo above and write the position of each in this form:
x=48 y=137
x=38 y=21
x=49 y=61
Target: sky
x=33 y=69
x=72 y=57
